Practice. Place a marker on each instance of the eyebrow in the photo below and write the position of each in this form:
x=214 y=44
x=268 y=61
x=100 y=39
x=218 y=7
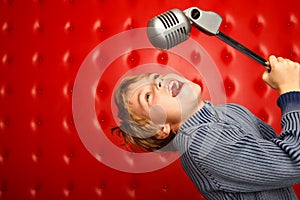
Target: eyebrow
x=156 y=76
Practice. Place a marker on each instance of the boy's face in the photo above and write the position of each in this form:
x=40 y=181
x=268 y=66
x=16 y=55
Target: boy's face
x=164 y=99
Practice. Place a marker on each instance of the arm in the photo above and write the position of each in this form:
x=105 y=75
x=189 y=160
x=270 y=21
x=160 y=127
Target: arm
x=289 y=140
x=285 y=79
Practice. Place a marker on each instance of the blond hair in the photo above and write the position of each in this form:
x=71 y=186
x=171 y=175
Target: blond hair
x=136 y=131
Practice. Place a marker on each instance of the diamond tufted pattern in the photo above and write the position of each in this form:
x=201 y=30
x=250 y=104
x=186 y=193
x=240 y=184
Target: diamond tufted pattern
x=43 y=45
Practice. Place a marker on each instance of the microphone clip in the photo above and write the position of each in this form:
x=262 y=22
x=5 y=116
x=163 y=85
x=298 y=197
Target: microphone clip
x=207 y=21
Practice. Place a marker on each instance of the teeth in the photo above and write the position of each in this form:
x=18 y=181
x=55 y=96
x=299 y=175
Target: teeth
x=177 y=85
x=170 y=87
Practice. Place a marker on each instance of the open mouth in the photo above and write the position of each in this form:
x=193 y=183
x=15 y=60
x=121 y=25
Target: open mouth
x=174 y=87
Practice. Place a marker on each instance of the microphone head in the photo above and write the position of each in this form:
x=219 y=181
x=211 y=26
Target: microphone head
x=169 y=29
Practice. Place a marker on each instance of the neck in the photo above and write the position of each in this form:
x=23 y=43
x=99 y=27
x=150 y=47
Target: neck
x=176 y=127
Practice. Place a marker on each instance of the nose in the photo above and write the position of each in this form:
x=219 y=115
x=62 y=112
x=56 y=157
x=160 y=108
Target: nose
x=159 y=84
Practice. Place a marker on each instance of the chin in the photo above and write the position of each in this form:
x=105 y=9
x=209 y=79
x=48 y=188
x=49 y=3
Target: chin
x=196 y=89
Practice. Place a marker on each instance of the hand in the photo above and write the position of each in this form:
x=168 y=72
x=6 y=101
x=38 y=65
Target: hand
x=284 y=75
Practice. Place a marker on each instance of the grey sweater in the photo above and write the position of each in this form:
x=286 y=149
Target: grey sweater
x=230 y=154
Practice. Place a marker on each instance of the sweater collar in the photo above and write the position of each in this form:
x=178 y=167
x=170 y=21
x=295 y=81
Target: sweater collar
x=205 y=115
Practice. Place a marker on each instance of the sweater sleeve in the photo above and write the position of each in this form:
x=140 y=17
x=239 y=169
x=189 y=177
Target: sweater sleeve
x=266 y=131
x=242 y=162
x=289 y=140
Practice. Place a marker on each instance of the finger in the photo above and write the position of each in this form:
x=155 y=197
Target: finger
x=280 y=59
x=272 y=60
x=265 y=75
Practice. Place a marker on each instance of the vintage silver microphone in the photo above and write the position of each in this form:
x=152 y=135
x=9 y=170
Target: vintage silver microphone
x=174 y=26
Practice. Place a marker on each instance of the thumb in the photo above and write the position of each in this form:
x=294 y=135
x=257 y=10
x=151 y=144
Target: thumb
x=265 y=76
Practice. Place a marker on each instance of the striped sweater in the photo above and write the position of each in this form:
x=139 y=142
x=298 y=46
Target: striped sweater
x=230 y=154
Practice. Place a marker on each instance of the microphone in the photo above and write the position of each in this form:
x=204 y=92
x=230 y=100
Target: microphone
x=174 y=26
x=169 y=29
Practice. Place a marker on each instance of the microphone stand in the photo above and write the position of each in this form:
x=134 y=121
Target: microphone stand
x=242 y=48
x=209 y=23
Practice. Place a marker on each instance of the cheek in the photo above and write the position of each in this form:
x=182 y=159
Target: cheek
x=189 y=99
x=158 y=114
x=165 y=109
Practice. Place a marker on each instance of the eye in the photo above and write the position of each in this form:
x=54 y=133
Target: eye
x=147 y=96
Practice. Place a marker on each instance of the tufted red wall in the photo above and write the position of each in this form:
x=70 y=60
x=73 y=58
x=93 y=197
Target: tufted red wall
x=43 y=44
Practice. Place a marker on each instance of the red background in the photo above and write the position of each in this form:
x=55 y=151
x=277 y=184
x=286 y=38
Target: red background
x=42 y=46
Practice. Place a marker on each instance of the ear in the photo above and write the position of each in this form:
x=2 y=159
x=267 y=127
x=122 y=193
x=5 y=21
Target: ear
x=164 y=133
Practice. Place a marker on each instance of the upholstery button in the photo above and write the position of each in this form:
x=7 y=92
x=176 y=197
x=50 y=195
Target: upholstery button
x=3 y=189
x=226 y=56
x=260 y=87
x=227 y=23
x=37 y=90
x=162 y=58
x=68 y=123
x=68 y=90
x=103 y=90
x=35 y=124
x=5 y=90
x=128 y=24
x=133 y=59
x=257 y=24
x=98 y=26
x=195 y=57
x=3 y=156
x=99 y=156
x=67 y=157
x=35 y=190
x=263 y=115
x=229 y=87
x=4 y=123
x=165 y=188
x=103 y=119
x=69 y=27
x=68 y=190
x=68 y=58
x=293 y=53
x=38 y=27
x=6 y=59
x=6 y=27
x=291 y=21
x=37 y=59
x=102 y=185
x=99 y=189
x=36 y=156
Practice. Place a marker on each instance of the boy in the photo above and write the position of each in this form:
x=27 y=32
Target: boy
x=226 y=151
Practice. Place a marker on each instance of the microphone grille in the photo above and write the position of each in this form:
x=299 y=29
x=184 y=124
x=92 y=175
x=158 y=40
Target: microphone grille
x=169 y=29
x=168 y=19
